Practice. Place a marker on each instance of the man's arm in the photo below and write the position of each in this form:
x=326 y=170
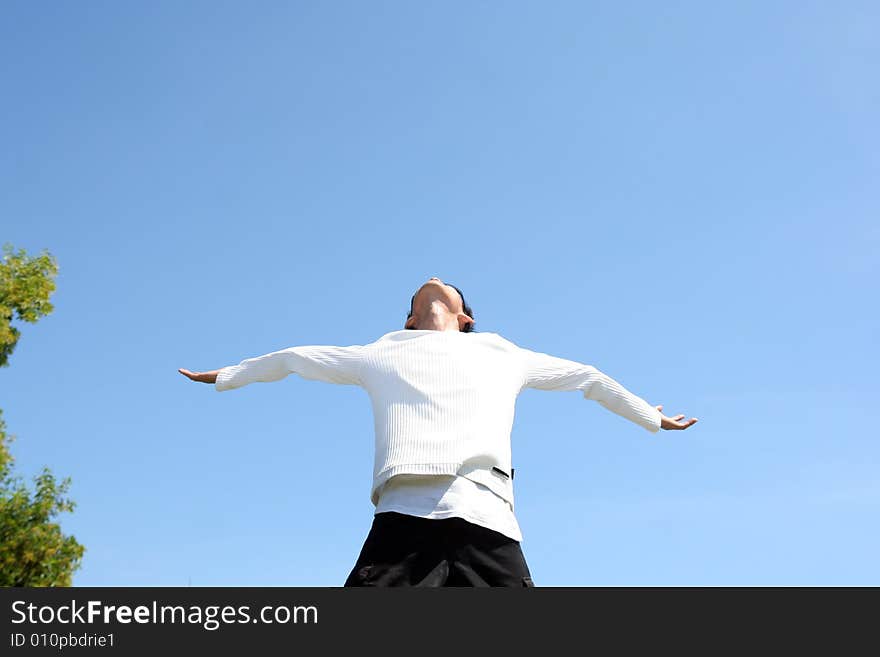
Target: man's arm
x=318 y=362
x=546 y=372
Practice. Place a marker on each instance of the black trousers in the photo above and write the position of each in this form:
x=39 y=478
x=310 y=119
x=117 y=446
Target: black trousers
x=404 y=550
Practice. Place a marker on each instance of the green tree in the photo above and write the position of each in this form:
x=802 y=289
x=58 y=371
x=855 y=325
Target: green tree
x=33 y=549
x=25 y=286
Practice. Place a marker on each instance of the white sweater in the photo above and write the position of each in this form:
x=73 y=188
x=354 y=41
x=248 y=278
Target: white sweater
x=439 y=496
x=443 y=401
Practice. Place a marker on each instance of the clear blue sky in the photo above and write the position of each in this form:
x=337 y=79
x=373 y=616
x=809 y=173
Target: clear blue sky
x=683 y=195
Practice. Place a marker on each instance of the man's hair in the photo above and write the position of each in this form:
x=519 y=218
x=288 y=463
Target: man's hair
x=469 y=327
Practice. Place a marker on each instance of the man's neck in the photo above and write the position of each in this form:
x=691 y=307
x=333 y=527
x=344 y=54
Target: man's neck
x=438 y=318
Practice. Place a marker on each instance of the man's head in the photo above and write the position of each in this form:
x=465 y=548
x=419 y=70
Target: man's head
x=439 y=306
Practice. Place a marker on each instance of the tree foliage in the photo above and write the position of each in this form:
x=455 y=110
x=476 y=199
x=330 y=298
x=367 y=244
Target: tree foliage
x=25 y=286
x=33 y=549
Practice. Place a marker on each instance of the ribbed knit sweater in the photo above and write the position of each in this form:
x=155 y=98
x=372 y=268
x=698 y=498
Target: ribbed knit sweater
x=443 y=401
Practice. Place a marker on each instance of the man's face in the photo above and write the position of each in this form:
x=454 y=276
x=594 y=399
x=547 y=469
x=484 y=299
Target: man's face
x=434 y=290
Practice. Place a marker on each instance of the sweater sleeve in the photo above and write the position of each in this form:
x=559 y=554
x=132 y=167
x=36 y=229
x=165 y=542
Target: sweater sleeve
x=317 y=362
x=547 y=372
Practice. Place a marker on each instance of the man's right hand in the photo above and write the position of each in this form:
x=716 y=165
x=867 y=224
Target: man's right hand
x=201 y=377
x=674 y=422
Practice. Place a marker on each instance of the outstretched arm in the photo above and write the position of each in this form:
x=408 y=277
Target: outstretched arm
x=319 y=362
x=547 y=372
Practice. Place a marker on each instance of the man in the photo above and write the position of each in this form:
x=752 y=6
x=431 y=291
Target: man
x=443 y=402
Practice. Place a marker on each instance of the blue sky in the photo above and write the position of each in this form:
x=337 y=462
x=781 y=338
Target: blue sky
x=683 y=195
